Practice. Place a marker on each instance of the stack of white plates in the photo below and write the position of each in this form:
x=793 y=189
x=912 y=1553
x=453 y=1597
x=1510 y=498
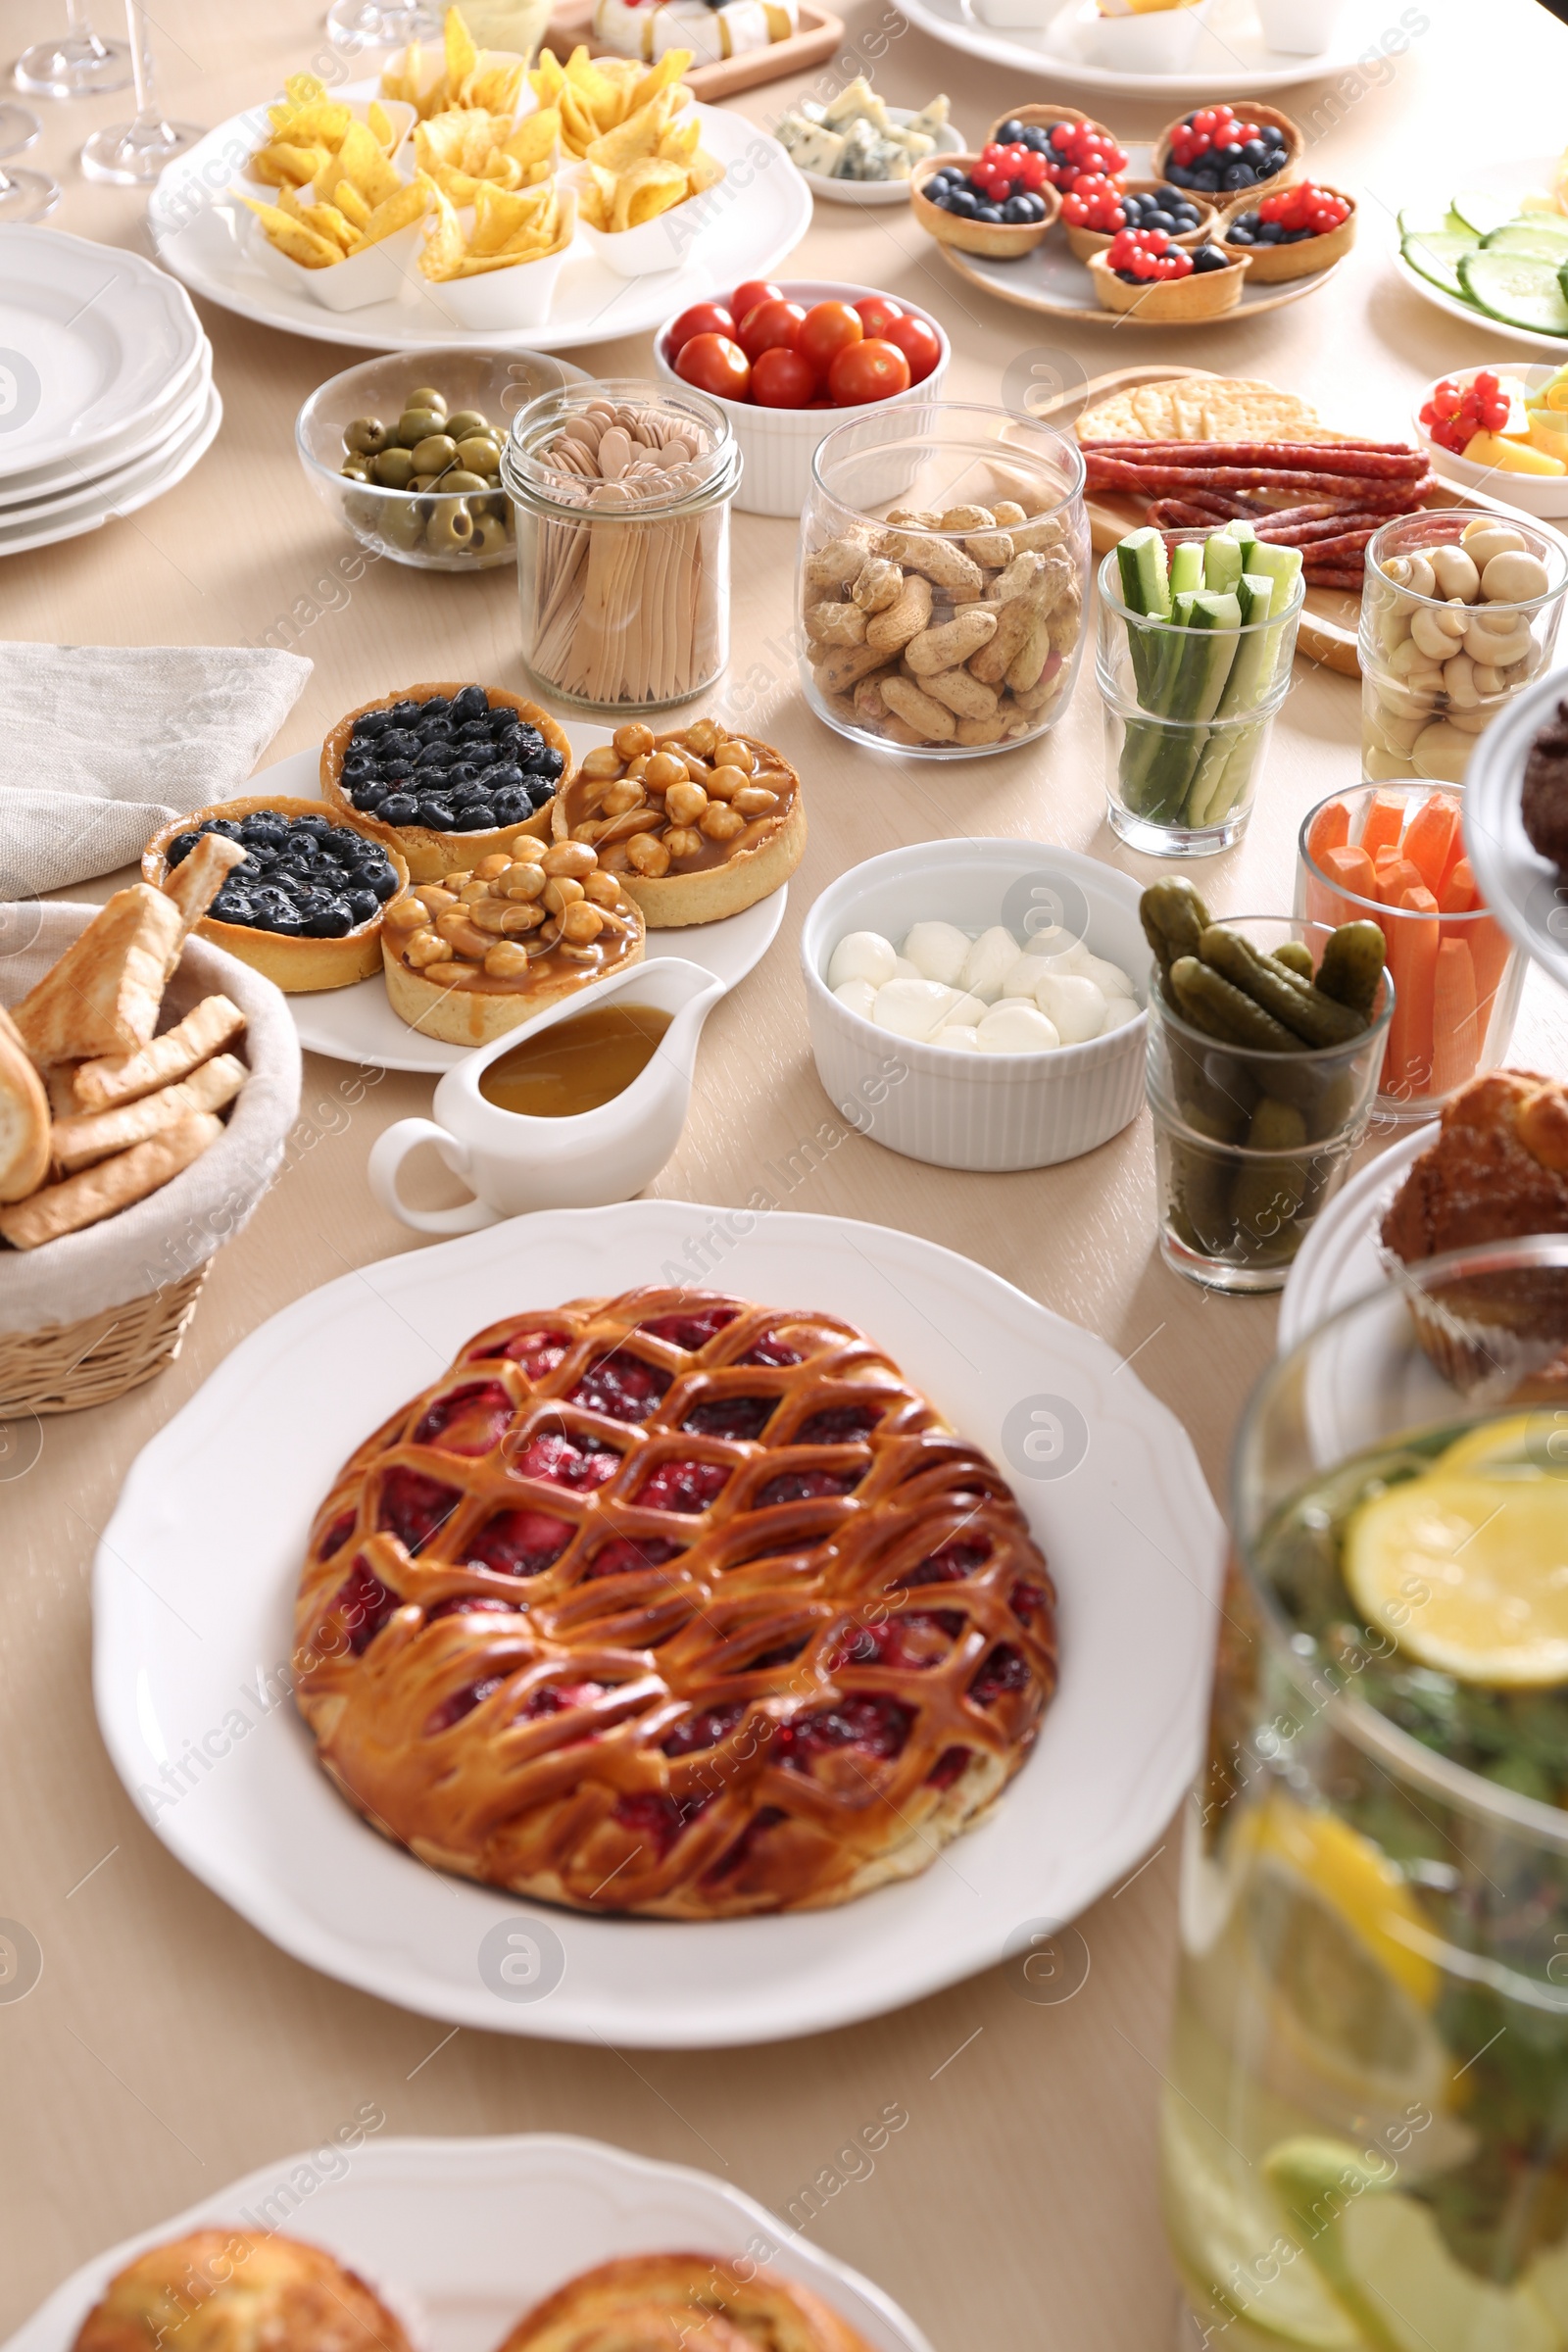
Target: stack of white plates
x=106 y=386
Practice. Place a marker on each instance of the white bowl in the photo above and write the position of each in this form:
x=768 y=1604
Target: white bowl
x=982 y=1111
x=780 y=444
x=1157 y=41
x=500 y=301
x=895 y=191
x=386 y=271
x=1298 y=28
x=1541 y=494
x=669 y=241
x=1017 y=16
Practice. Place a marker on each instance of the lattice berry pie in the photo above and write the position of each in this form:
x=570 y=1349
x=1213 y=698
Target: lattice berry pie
x=672 y=1605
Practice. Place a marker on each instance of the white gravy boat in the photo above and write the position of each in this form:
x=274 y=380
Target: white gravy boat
x=514 y=1162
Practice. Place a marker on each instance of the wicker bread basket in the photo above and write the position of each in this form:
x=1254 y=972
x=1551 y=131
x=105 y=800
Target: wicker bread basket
x=94 y=1313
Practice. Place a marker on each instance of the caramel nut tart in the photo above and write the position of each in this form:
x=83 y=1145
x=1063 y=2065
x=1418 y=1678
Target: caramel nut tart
x=662 y=2302
x=305 y=906
x=231 y=2290
x=446 y=774
x=471 y=956
x=698 y=825
x=675 y=1605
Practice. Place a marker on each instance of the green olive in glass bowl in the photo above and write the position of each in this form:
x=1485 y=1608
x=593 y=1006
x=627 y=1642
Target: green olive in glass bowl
x=361 y=462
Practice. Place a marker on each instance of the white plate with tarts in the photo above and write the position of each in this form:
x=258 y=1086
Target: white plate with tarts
x=358 y=1025
x=1229 y=56
x=743 y=228
x=460 y=2237
x=1105 y=1476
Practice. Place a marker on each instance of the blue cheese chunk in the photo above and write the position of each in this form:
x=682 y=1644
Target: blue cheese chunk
x=810 y=145
x=932 y=120
x=857 y=102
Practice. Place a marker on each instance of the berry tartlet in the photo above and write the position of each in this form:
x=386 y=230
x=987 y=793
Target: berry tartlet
x=446 y=774
x=1074 y=145
x=1147 y=275
x=967 y=202
x=698 y=825
x=1224 y=152
x=1293 y=232
x=471 y=956
x=1098 y=210
x=306 y=905
x=674 y=1605
x=235 y=2290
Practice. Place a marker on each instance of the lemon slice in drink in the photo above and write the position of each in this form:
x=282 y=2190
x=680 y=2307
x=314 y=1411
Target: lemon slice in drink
x=1381 y=2255
x=1233 y=2245
x=1466 y=1567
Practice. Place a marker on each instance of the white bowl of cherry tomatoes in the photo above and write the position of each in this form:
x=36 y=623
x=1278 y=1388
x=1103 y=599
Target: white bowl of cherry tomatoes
x=787 y=361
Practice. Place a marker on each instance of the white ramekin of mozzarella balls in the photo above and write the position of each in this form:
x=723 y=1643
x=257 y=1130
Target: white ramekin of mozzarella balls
x=979 y=1004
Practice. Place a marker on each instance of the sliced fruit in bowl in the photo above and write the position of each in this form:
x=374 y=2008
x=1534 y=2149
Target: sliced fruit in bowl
x=1503 y=429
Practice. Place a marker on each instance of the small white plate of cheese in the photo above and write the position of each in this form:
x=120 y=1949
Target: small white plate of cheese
x=857 y=149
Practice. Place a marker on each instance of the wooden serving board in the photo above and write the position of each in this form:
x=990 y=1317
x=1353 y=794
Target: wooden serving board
x=1330 y=617
x=820 y=32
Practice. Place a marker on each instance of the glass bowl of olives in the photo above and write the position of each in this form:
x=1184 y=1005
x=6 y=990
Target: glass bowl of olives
x=406 y=451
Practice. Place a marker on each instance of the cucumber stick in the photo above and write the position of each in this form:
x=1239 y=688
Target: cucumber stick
x=1192 y=689
x=1187 y=567
x=1222 y=562
x=1145 y=588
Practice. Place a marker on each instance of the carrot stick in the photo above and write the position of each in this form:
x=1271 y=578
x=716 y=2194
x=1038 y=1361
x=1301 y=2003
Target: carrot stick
x=1459 y=890
x=1413 y=942
x=1455 y=1028
x=1384 y=821
x=1457 y=851
x=1351 y=870
x=1490 y=950
x=1429 y=838
x=1330 y=830
x=1397 y=876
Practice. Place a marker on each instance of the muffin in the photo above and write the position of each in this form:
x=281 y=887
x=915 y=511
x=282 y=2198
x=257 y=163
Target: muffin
x=230 y=2291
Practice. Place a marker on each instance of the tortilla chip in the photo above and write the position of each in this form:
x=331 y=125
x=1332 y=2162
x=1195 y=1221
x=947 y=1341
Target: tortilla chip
x=503 y=221
x=679 y=142
x=328 y=223
x=1203 y=407
x=322 y=123
x=282 y=164
x=649 y=188
x=463 y=53
x=637 y=138
x=351 y=204
x=494 y=87
x=410 y=203
x=669 y=68
x=293 y=237
x=535 y=137
x=592 y=207
x=441 y=254
x=381 y=128
x=360 y=160
x=704 y=170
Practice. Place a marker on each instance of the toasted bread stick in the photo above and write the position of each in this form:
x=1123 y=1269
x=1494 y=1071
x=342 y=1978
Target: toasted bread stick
x=76 y=1142
x=121 y=1078
x=114 y=1184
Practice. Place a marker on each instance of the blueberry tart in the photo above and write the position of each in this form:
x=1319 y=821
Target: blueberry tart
x=446 y=774
x=306 y=905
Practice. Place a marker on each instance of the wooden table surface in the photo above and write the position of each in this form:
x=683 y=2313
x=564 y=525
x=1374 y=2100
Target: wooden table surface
x=167 y=2047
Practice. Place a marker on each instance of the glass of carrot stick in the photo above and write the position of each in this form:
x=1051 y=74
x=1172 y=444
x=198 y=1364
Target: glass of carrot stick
x=1393 y=855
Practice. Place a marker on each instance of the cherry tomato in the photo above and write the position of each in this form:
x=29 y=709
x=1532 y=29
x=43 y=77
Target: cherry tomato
x=877 y=310
x=919 y=344
x=782 y=379
x=703 y=318
x=827 y=328
x=713 y=363
x=769 y=327
x=746 y=297
x=868 y=371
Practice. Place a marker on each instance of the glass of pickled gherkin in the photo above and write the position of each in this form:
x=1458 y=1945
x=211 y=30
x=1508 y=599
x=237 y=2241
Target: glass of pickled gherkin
x=1364 y=2141
x=1255 y=1127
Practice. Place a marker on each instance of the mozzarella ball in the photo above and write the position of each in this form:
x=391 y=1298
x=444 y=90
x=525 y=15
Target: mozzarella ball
x=939 y=951
x=963 y=1039
x=904 y=969
x=1074 y=1005
x=1016 y=1029
x=1119 y=1010
x=967 y=1012
x=1072 y=955
x=1108 y=978
x=861 y=956
x=988 y=963
x=913 y=1008
x=859 y=996
x=1023 y=976
x=1050 y=939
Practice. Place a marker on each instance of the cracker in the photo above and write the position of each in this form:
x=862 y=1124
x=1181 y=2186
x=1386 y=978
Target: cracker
x=111 y=1185
x=1204 y=408
x=212 y=1023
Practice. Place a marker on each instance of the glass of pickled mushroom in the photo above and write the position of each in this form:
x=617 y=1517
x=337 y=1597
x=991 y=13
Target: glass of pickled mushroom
x=1266 y=1038
x=1458 y=612
x=1364 y=2136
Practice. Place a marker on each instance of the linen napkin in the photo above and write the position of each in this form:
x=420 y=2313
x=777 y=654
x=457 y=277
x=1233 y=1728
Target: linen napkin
x=100 y=745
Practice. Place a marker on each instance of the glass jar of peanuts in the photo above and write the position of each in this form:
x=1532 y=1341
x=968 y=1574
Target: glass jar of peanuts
x=1459 y=611
x=943 y=569
x=622 y=493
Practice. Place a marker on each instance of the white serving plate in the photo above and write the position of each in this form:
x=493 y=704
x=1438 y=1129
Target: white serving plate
x=125 y=493
x=117 y=449
x=881 y=191
x=1133 y=1539
x=464 y=2236
x=1514 y=180
x=1519 y=886
x=107 y=334
x=1230 y=57
x=68 y=492
x=357 y=1024
x=758 y=214
x=1338 y=1262
x=1542 y=495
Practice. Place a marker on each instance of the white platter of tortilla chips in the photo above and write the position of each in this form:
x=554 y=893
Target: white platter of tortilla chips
x=628 y=202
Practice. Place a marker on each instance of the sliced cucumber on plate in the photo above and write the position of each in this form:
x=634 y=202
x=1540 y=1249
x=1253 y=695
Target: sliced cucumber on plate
x=1522 y=289
x=1483 y=214
x=1426 y=221
x=1547 y=239
x=1437 y=256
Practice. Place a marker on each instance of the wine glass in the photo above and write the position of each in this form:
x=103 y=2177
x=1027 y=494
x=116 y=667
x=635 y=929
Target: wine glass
x=134 y=154
x=78 y=66
x=367 y=25
x=24 y=195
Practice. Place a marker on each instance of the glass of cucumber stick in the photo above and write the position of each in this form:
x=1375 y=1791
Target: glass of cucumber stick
x=1266 y=1038
x=1195 y=637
